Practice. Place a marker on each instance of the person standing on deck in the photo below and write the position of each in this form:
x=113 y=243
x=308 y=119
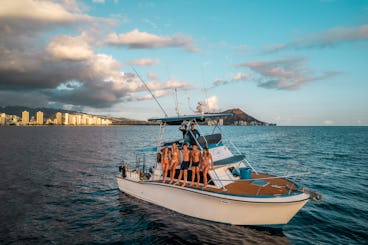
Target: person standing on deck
x=193 y=134
x=184 y=165
x=175 y=158
x=194 y=164
x=184 y=129
x=165 y=161
x=206 y=162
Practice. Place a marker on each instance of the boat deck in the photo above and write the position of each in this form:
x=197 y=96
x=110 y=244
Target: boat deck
x=253 y=187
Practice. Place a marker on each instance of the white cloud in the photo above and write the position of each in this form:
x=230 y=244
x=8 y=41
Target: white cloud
x=144 y=62
x=69 y=48
x=136 y=39
x=44 y=11
x=212 y=104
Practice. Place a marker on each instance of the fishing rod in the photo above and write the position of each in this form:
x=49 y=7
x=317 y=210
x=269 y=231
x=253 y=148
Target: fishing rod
x=149 y=90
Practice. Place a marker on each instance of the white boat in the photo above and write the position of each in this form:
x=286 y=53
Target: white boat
x=237 y=194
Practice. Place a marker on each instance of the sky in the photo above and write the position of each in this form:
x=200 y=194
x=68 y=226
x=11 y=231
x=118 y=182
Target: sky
x=286 y=62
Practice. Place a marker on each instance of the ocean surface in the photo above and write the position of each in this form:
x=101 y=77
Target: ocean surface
x=58 y=186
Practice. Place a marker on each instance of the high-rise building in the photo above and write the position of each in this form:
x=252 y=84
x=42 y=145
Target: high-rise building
x=25 y=117
x=2 y=119
x=66 y=118
x=39 y=116
x=59 y=118
x=72 y=119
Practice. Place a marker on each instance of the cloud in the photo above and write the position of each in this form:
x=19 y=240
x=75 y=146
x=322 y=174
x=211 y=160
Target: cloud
x=65 y=70
x=144 y=62
x=241 y=76
x=135 y=97
x=44 y=13
x=69 y=48
x=151 y=75
x=136 y=39
x=212 y=104
x=235 y=78
x=329 y=38
x=170 y=85
x=284 y=74
x=220 y=82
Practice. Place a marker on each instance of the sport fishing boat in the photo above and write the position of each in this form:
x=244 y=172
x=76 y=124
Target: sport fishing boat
x=236 y=193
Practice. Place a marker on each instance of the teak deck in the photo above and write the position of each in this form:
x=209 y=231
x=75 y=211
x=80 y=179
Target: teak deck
x=273 y=187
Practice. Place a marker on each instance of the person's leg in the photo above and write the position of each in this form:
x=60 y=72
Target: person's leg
x=205 y=180
x=179 y=177
x=198 y=176
x=173 y=171
x=193 y=175
x=185 y=177
x=164 y=172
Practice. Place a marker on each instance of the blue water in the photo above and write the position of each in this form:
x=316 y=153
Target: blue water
x=57 y=185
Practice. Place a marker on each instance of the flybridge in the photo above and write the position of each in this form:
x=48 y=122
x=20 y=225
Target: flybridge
x=179 y=119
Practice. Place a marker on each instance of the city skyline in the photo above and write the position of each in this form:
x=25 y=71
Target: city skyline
x=72 y=119
x=289 y=62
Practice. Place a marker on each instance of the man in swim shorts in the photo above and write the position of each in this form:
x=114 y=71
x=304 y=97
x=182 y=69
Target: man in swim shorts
x=184 y=165
x=194 y=164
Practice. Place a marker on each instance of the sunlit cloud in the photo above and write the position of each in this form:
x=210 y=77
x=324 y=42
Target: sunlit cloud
x=212 y=104
x=67 y=69
x=136 y=39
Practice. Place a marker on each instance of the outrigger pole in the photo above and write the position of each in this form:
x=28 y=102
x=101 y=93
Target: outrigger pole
x=149 y=90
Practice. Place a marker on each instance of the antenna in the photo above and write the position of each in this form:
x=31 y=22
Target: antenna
x=149 y=90
x=176 y=102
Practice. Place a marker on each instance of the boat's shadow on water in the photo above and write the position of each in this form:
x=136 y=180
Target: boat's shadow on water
x=156 y=225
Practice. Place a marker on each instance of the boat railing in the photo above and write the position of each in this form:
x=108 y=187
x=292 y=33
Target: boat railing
x=233 y=148
x=140 y=167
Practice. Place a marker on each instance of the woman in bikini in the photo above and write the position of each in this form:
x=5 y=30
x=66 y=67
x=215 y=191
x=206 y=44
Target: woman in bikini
x=165 y=161
x=175 y=158
x=194 y=164
x=184 y=165
x=206 y=163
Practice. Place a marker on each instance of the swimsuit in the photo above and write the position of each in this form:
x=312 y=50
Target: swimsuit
x=195 y=164
x=184 y=165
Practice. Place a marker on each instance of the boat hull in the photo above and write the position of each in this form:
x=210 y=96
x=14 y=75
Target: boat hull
x=235 y=210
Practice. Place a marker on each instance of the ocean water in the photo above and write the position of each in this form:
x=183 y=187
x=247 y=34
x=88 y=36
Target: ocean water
x=58 y=186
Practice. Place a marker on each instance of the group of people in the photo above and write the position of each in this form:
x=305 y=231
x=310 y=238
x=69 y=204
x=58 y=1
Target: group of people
x=193 y=159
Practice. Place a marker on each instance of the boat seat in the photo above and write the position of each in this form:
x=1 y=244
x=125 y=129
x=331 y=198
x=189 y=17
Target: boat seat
x=230 y=160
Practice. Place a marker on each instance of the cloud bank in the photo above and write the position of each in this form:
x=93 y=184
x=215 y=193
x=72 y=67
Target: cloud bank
x=63 y=68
